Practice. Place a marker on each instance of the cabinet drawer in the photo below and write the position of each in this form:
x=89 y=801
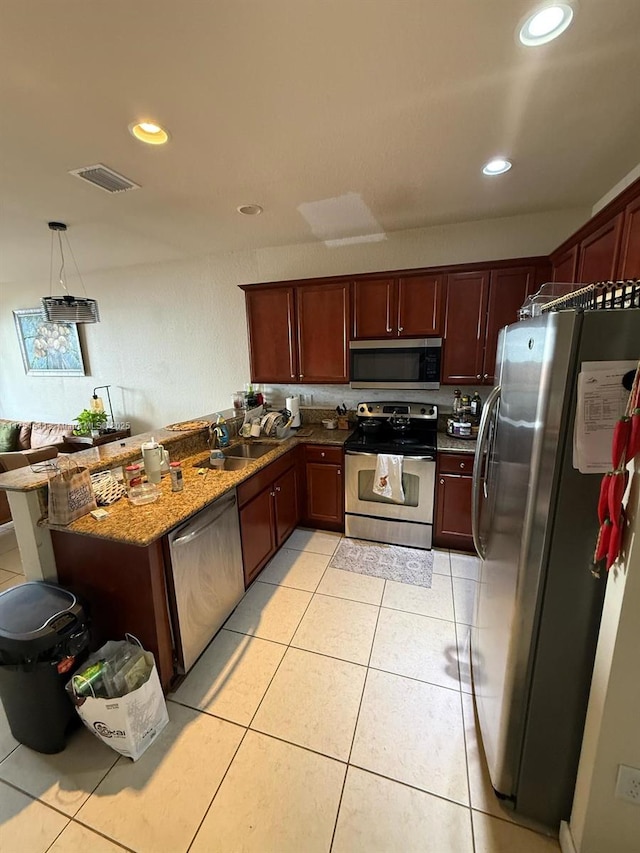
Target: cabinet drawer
x=323 y=453
x=455 y=463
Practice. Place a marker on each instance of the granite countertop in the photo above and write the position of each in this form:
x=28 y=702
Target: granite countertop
x=457 y=445
x=142 y=525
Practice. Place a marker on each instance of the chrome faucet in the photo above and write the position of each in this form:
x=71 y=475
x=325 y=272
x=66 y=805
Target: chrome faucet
x=214 y=437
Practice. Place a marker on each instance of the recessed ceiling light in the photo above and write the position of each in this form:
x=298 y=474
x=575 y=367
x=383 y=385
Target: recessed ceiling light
x=149 y=132
x=250 y=209
x=497 y=166
x=546 y=24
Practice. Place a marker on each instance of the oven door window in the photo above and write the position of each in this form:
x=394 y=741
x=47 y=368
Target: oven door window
x=410 y=484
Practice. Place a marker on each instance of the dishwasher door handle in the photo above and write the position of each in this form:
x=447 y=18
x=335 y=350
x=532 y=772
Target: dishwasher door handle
x=189 y=537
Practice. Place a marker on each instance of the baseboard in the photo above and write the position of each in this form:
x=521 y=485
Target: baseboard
x=566 y=839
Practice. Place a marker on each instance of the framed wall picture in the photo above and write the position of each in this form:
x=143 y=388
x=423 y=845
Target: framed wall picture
x=48 y=348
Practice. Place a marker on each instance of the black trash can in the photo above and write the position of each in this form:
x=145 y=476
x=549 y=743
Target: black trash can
x=43 y=638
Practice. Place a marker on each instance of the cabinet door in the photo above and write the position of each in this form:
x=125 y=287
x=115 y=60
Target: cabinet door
x=629 y=263
x=420 y=306
x=257 y=533
x=325 y=495
x=463 y=348
x=453 y=512
x=508 y=289
x=599 y=252
x=565 y=268
x=374 y=313
x=323 y=332
x=271 y=322
x=286 y=505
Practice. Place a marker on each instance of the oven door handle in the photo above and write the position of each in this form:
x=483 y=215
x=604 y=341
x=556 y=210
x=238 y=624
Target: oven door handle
x=408 y=458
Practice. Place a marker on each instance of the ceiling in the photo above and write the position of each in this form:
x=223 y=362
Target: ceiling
x=394 y=103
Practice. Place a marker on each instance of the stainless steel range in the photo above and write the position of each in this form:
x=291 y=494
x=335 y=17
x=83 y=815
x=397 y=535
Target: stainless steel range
x=400 y=429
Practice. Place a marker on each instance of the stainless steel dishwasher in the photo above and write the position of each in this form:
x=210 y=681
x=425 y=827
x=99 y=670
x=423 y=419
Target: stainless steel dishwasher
x=206 y=576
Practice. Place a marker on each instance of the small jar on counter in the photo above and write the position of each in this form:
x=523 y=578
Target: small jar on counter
x=177 y=480
x=132 y=476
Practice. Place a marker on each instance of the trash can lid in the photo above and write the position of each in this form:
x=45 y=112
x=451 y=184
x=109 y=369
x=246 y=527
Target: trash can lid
x=35 y=609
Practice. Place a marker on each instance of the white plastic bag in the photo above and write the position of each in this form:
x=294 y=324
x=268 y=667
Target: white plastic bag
x=129 y=724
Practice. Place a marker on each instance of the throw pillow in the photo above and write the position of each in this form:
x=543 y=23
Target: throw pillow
x=9 y=437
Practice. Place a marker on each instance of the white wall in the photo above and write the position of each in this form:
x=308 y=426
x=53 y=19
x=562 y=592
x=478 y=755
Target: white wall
x=172 y=339
x=599 y=821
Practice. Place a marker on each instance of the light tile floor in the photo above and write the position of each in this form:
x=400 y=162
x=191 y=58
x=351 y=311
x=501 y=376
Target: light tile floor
x=333 y=712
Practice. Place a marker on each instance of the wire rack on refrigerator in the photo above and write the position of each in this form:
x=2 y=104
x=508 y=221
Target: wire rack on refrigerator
x=601 y=295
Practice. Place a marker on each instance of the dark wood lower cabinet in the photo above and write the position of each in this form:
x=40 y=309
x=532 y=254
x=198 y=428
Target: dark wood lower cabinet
x=124 y=589
x=269 y=512
x=453 y=502
x=324 y=486
x=257 y=534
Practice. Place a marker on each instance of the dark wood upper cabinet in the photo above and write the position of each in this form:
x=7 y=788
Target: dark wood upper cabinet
x=323 y=332
x=272 y=345
x=629 y=262
x=373 y=308
x=407 y=307
x=599 y=252
x=565 y=267
x=508 y=289
x=420 y=306
x=464 y=328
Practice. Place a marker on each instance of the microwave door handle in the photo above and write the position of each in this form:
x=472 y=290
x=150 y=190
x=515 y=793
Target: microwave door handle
x=478 y=476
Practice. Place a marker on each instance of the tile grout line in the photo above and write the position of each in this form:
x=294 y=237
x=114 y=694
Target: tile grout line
x=464 y=732
x=355 y=727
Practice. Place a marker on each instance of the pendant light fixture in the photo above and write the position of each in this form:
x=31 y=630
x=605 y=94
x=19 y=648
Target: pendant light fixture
x=67 y=308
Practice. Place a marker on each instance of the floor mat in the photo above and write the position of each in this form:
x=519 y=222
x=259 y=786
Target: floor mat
x=392 y=562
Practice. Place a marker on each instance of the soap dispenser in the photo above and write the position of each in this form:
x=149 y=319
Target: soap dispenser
x=222 y=431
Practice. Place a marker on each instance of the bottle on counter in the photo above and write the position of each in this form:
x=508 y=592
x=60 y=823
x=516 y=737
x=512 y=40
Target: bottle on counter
x=132 y=477
x=457 y=402
x=476 y=406
x=177 y=478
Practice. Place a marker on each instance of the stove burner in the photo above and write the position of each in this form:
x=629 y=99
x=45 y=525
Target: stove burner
x=408 y=429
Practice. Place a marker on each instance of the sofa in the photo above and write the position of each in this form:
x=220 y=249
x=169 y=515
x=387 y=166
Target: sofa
x=26 y=442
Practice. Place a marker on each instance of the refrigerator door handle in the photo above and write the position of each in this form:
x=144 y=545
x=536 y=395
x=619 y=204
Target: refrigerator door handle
x=483 y=434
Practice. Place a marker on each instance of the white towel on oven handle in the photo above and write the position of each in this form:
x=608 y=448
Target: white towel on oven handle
x=387 y=479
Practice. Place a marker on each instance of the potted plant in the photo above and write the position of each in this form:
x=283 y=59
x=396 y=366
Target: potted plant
x=90 y=423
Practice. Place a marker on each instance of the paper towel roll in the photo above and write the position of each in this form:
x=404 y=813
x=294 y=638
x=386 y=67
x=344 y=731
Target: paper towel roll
x=293 y=404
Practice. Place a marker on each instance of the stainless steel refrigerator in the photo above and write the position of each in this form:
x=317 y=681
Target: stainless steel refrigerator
x=538 y=606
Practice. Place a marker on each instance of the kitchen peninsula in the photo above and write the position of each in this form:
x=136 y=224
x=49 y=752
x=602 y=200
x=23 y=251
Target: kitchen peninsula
x=120 y=565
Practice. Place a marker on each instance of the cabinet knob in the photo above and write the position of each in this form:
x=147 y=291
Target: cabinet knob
x=389 y=330
x=339 y=471
x=273 y=494
x=486 y=376
x=441 y=481
x=278 y=489
x=322 y=454
x=479 y=376
x=401 y=328
x=293 y=376
x=302 y=376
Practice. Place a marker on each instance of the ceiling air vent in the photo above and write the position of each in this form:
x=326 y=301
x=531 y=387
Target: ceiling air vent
x=105 y=178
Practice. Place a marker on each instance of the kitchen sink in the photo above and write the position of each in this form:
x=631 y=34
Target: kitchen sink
x=248 y=451
x=231 y=463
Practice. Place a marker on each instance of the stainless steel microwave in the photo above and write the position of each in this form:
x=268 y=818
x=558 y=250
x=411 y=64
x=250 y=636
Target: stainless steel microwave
x=410 y=364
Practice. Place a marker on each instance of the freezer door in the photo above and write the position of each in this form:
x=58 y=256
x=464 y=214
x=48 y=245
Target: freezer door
x=533 y=373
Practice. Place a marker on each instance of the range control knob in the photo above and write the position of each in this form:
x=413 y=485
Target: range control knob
x=423 y=411
x=431 y=411
x=369 y=409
